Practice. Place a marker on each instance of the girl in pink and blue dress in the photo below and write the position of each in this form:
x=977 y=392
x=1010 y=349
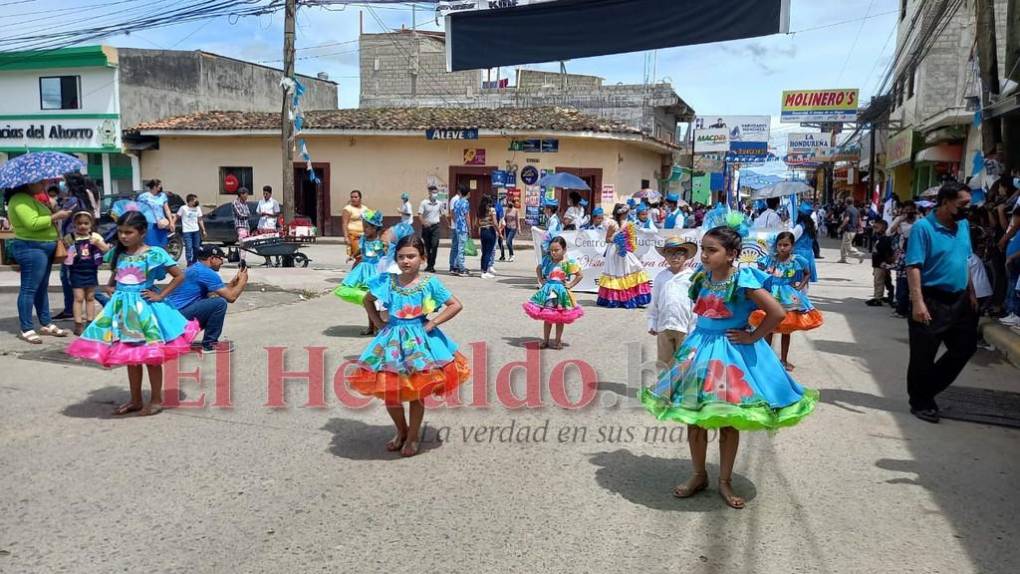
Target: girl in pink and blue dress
x=136 y=327
x=725 y=376
x=789 y=274
x=554 y=304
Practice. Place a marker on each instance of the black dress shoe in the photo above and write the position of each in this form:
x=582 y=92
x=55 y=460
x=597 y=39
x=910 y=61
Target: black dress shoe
x=63 y=316
x=926 y=415
x=873 y=303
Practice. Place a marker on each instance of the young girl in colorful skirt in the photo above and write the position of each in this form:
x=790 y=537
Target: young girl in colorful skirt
x=624 y=282
x=372 y=250
x=554 y=304
x=789 y=275
x=136 y=327
x=725 y=376
x=410 y=358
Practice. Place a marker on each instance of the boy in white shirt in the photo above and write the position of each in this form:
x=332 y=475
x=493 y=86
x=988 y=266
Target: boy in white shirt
x=670 y=317
x=192 y=226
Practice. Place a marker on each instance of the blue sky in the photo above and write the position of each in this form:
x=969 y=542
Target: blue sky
x=741 y=77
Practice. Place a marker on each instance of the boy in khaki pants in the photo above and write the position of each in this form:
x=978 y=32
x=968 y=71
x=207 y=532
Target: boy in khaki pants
x=669 y=314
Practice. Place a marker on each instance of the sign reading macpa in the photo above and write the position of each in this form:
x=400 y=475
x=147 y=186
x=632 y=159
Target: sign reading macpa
x=820 y=106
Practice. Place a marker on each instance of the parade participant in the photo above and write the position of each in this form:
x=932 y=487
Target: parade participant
x=575 y=212
x=554 y=304
x=632 y=205
x=406 y=213
x=725 y=376
x=674 y=217
x=137 y=327
x=85 y=249
x=203 y=297
x=769 y=219
x=372 y=249
x=624 y=282
x=431 y=212
x=410 y=358
x=644 y=219
x=242 y=214
x=944 y=305
x=807 y=236
x=670 y=318
x=789 y=274
x=192 y=227
x=350 y=222
x=598 y=217
x=156 y=208
x=552 y=220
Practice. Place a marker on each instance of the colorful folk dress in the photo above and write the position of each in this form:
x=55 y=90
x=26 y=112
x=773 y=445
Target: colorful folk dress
x=624 y=282
x=404 y=362
x=715 y=383
x=783 y=278
x=554 y=303
x=130 y=330
x=355 y=285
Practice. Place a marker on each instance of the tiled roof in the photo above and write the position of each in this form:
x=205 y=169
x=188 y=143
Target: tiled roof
x=401 y=119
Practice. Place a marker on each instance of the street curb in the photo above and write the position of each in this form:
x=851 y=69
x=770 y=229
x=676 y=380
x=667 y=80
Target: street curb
x=1002 y=338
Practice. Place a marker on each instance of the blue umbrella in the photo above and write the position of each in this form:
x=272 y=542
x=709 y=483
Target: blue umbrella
x=563 y=181
x=37 y=166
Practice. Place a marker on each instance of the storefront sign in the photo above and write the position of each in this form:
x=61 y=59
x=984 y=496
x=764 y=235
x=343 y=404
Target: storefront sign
x=819 y=106
x=588 y=248
x=513 y=195
x=608 y=198
x=532 y=200
x=900 y=149
x=61 y=133
x=529 y=175
x=499 y=178
x=535 y=146
x=842 y=153
x=801 y=143
x=712 y=140
x=739 y=128
x=445 y=7
x=748 y=152
x=474 y=156
x=451 y=134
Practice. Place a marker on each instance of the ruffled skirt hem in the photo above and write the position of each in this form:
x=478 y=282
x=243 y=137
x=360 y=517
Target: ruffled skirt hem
x=555 y=315
x=396 y=388
x=794 y=321
x=121 y=354
x=353 y=295
x=749 y=417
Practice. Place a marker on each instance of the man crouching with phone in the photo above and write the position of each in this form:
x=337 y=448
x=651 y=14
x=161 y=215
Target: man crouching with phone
x=204 y=297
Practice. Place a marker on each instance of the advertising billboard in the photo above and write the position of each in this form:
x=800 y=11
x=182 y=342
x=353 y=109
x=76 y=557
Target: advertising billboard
x=838 y=105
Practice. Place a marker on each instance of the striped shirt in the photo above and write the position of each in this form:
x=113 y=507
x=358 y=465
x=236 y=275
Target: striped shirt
x=241 y=214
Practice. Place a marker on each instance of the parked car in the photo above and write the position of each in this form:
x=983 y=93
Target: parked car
x=219 y=223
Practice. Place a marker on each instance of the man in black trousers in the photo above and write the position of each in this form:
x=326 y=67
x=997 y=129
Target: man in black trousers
x=944 y=305
x=431 y=212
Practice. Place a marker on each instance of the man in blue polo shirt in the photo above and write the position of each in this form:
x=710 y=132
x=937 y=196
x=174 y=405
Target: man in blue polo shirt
x=945 y=308
x=192 y=298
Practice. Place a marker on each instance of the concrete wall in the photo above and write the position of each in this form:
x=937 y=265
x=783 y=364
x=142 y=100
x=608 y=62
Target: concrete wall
x=157 y=84
x=528 y=80
x=382 y=167
x=20 y=91
x=387 y=63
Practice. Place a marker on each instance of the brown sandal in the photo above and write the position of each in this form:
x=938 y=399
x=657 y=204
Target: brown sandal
x=686 y=490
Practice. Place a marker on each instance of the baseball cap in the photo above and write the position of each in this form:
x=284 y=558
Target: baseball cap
x=207 y=251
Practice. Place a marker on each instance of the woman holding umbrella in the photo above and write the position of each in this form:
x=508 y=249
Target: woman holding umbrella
x=24 y=181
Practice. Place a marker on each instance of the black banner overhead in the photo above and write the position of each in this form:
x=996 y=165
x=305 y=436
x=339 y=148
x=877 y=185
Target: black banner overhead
x=567 y=29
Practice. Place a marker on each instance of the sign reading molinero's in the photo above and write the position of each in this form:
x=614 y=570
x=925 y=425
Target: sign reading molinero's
x=69 y=133
x=451 y=134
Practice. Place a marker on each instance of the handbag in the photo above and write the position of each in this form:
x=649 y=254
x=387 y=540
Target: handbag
x=470 y=249
x=60 y=253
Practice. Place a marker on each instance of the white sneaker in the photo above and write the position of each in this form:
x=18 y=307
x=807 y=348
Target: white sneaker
x=1010 y=320
x=487 y=276
x=511 y=260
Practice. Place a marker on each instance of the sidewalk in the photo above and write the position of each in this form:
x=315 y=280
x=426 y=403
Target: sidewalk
x=1004 y=339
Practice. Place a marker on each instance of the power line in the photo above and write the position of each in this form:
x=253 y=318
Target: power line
x=853 y=46
x=834 y=24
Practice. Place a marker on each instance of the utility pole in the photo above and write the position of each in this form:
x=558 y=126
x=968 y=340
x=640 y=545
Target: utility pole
x=286 y=125
x=989 y=69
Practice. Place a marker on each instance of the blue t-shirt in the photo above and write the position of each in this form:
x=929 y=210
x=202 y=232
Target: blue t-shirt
x=460 y=213
x=940 y=253
x=199 y=281
x=1013 y=246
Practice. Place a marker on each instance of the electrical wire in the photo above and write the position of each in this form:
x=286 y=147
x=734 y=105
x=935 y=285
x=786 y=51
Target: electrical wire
x=853 y=46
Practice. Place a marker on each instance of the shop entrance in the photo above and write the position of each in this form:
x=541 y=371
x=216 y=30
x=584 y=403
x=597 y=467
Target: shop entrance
x=311 y=199
x=477 y=180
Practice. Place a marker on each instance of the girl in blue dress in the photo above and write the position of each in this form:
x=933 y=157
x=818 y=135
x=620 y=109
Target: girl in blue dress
x=372 y=249
x=554 y=304
x=789 y=274
x=136 y=327
x=725 y=376
x=410 y=358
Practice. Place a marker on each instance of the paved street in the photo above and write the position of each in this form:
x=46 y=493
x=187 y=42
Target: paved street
x=860 y=486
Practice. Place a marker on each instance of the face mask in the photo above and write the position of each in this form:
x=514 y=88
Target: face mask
x=960 y=215
x=1016 y=182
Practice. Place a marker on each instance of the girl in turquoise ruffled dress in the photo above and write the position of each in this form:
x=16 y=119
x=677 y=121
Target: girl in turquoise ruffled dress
x=725 y=376
x=136 y=327
x=554 y=304
x=372 y=249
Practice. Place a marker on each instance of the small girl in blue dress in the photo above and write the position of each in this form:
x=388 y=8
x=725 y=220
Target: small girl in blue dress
x=372 y=250
x=725 y=376
x=410 y=358
x=137 y=327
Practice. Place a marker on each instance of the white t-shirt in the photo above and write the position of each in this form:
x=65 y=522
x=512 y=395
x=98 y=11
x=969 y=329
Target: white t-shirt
x=768 y=219
x=671 y=307
x=268 y=209
x=978 y=276
x=406 y=214
x=189 y=218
